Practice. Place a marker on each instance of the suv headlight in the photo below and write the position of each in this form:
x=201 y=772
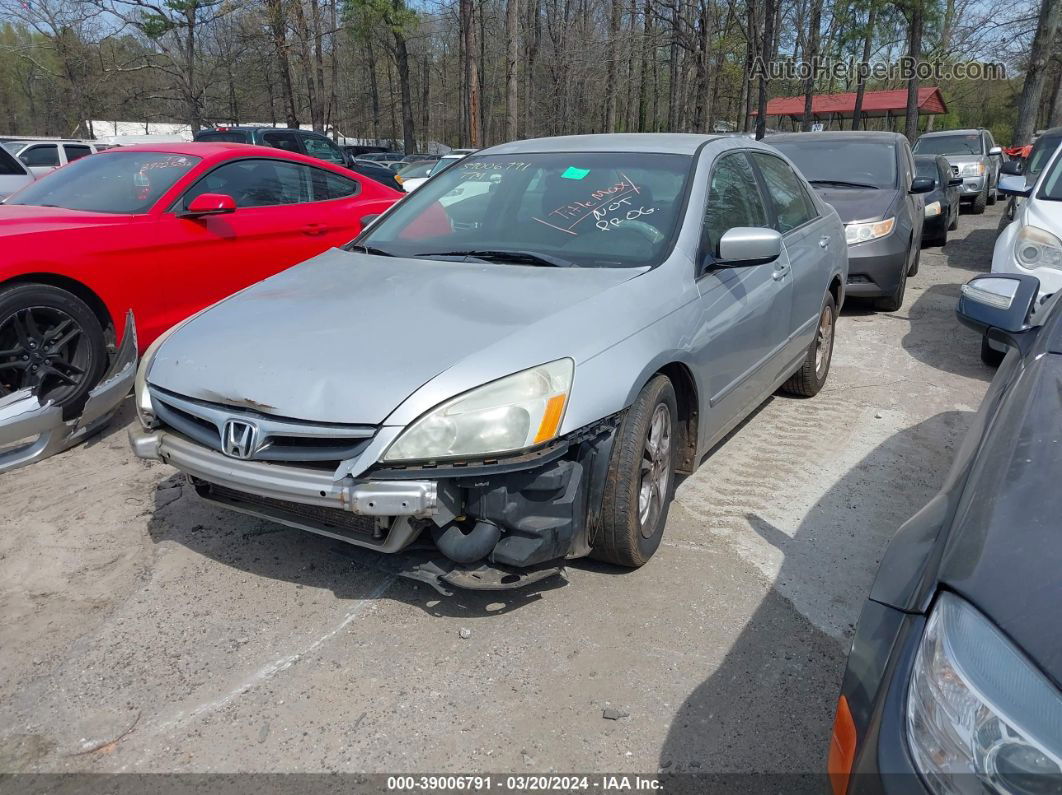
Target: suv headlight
x=861 y=233
x=513 y=413
x=1037 y=248
x=973 y=170
x=977 y=706
x=933 y=209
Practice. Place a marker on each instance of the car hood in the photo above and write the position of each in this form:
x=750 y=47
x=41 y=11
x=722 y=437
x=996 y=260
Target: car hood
x=1045 y=214
x=20 y=219
x=347 y=337
x=1002 y=555
x=855 y=205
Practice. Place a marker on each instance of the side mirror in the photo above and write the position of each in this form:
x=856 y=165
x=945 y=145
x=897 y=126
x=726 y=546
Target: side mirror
x=996 y=150
x=1013 y=186
x=209 y=204
x=1012 y=167
x=922 y=184
x=744 y=246
x=999 y=305
x=954 y=182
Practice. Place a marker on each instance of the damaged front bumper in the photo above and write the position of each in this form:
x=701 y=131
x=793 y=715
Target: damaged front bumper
x=485 y=527
x=31 y=431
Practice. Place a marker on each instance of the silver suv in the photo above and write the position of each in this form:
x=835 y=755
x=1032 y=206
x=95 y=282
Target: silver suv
x=974 y=156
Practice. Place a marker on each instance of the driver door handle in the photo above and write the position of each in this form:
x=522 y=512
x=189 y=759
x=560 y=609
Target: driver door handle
x=824 y=241
x=313 y=229
x=780 y=272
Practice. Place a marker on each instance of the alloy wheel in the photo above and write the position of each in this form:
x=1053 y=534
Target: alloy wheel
x=655 y=470
x=44 y=349
x=823 y=342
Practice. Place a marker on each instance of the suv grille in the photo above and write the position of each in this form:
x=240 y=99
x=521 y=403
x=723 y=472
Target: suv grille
x=273 y=438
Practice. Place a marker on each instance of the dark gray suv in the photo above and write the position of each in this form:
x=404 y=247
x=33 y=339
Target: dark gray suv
x=305 y=142
x=973 y=156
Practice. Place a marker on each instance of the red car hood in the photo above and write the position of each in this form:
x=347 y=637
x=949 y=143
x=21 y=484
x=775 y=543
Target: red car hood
x=20 y=219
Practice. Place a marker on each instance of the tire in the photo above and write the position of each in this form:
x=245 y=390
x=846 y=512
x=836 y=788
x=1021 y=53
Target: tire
x=990 y=355
x=36 y=316
x=979 y=203
x=913 y=270
x=811 y=377
x=623 y=537
x=954 y=219
x=991 y=195
x=891 y=303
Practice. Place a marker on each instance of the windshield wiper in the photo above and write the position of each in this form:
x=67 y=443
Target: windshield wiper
x=842 y=183
x=370 y=250
x=499 y=255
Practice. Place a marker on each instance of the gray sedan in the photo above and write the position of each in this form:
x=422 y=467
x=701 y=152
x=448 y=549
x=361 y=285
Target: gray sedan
x=511 y=366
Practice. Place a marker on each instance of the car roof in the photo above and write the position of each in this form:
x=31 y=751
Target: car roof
x=964 y=131
x=837 y=135
x=218 y=150
x=672 y=143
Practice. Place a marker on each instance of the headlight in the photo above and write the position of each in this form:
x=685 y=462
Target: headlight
x=861 y=233
x=977 y=706
x=144 y=410
x=512 y=413
x=973 y=170
x=1037 y=248
x=932 y=209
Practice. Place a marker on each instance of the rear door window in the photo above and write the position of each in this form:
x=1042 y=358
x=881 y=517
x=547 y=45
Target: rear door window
x=41 y=155
x=75 y=151
x=327 y=186
x=288 y=141
x=792 y=205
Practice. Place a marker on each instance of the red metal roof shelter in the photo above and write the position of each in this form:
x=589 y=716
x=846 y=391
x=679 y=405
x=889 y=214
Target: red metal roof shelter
x=825 y=107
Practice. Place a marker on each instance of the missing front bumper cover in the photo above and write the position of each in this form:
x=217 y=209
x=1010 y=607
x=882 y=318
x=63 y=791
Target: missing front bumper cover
x=31 y=431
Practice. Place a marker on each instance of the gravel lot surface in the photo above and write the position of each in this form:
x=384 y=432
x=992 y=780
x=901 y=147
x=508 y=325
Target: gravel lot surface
x=144 y=630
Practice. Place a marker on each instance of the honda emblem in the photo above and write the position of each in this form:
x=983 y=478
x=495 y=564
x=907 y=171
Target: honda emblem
x=241 y=439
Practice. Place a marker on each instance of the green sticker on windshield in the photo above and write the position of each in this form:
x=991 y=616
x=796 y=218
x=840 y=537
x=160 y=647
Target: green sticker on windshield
x=575 y=173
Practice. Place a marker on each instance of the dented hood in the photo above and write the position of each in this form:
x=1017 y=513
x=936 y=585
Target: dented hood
x=346 y=337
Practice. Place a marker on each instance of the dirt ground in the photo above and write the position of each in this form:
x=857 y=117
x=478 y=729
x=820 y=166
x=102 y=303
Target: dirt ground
x=144 y=630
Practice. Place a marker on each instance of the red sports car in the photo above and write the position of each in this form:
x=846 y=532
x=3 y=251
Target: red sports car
x=162 y=231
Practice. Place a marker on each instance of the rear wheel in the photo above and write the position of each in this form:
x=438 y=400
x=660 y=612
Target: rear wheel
x=811 y=377
x=50 y=343
x=640 y=480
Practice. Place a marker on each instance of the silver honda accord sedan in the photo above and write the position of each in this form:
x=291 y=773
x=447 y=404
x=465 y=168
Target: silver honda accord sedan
x=511 y=367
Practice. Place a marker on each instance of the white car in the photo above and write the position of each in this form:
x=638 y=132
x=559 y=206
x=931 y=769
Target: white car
x=40 y=157
x=443 y=163
x=1032 y=242
x=13 y=175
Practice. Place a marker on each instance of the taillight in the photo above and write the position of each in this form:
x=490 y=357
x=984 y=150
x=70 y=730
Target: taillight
x=842 y=748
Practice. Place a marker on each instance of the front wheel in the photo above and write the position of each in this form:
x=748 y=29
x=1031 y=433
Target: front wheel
x=640 y=480
x=980 y=202
x=991 y=195
x=990 y=355
x=50 y=343
x=811 y=377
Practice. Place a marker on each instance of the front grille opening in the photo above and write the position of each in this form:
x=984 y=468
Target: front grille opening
x=335 y=520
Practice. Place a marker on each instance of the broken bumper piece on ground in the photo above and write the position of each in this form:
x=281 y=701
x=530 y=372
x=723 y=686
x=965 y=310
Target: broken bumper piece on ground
x=31 y=431
x=495 y=529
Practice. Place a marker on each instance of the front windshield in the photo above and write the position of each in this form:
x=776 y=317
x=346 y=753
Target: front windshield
x=967 y=144
x=829 y=162
x=115 y=182
x=584 y=209
x=1052 y=187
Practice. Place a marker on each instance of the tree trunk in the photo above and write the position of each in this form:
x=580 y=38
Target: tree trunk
x=278 y=25
x=374 y=87
x=647 y=54
x=914 y=52
x=307 y=66
x=861 y=83
x=1035 y=74
x=402 y=61
x=512 y=81
x=766 y=49
x=611 y=83
x=471 y=69
x=811 y=55
x=318 y=64
x=535 y=27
